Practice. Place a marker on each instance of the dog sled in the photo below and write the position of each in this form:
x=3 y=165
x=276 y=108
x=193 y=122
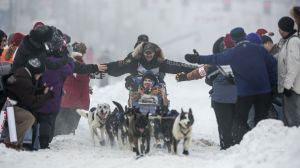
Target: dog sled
x=148 y=97
x=151 y=101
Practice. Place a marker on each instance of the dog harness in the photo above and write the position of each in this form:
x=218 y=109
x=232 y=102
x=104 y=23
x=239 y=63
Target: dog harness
x=181 y=130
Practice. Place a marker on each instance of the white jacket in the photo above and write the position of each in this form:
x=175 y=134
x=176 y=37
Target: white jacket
x=289 y=65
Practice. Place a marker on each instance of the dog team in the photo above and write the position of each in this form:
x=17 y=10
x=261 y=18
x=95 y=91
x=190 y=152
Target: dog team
x=131 y=128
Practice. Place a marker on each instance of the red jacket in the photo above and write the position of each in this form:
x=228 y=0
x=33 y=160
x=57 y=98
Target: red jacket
x=76 y=88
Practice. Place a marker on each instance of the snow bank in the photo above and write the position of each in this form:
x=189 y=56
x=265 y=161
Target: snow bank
x=268 y=145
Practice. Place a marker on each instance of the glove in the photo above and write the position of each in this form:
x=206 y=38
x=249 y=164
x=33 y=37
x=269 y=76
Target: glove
x=287 y=92
x=131 y=84
x=192 y=58
x=181 y=77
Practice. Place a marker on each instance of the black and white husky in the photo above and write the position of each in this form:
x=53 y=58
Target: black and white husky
x=97 y=117
x=115 y=126
x=182 y=129
x=139 y=131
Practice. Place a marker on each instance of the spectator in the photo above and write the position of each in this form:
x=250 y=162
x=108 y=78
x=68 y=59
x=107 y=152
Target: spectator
x=13 y=43
x=295 y=13
x=20 y=87
x=3 y=39
x=55 y=78
x=255 y=74
x=76 y=96
x=254 y=38
x=223 y=93
x=33 y=45
x=289 y=70
x=270 y=46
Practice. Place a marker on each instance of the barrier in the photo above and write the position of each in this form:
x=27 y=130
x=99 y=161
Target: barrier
x=8 y=114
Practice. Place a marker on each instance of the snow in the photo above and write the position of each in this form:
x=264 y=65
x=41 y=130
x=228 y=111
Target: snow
x=269 y=145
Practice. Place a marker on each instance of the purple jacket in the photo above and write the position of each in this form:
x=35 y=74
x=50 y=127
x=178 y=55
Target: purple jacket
x=56 y=78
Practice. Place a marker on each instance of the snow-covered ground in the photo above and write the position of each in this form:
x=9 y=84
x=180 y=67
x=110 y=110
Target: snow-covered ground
x=269 y=145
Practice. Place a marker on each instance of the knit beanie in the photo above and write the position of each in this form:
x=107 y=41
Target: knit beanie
x=254 y=38
x=286 y=24
x=228 y=43
x=16 y=39
x=261 y=31
x=41 y=34
x=238 y=34
x=151 y=76
x=266 y=39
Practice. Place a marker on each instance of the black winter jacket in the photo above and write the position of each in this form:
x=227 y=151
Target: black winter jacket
x=135 y=62
x=20 y=87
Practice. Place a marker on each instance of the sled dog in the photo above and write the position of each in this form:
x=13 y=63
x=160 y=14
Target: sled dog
x=167 y=122
x=115 y=126
x=97 y=119
x=139 y=132
x=182 y=129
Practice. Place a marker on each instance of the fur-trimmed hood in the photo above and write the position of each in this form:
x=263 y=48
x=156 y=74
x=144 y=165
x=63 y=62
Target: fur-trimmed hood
x=138 y=52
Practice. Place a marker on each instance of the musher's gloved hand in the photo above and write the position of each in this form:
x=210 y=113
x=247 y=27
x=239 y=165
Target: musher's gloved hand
x=192 y=58
x=181 y=77
x=130 y=83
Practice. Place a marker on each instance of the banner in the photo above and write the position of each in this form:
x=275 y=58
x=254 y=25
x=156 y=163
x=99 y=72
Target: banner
x=8 y=114
x=11 y=124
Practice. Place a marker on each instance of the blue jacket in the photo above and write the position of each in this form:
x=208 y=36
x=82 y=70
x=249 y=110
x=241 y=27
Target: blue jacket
x=254 y=69
x=223 y=91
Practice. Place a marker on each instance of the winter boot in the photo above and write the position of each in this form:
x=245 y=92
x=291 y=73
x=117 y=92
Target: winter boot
x=185 y=152
x=44 y=142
